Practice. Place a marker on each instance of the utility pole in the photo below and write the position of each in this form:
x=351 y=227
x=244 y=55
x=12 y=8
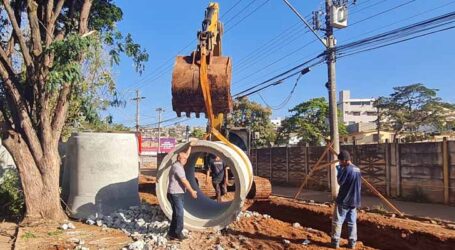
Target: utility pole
x=159 y=110
x=138 y=100
x=339 y=19
x=331 y=86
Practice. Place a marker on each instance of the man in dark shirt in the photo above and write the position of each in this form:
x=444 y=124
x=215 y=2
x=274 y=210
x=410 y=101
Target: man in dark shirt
x=347 y=201
x=218 y=171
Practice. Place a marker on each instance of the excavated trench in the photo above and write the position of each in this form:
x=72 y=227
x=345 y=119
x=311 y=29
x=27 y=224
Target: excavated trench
x=376 y=231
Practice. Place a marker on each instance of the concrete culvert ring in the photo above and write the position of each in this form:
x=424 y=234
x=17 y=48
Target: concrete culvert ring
x=203 y=212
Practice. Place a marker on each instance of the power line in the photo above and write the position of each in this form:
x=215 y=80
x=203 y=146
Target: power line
x=367 y=7
x=383 y=12
x=382 y=40
x=396 y=42
x=284 y=75
x=229 y=10
x=270 y=42
x=240 y=12
x=269 y=52
x=278 y=60
x=404 y=19
x=245 y=17
x=287 y=99
x=396 y=34
x=166 y=67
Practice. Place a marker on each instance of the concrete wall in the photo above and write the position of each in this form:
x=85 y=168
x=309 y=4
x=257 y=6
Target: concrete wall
x=395 y=169
x=421 y=166
x=451 y=149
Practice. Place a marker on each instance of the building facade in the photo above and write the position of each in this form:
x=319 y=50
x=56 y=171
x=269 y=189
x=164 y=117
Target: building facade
x=358 y=110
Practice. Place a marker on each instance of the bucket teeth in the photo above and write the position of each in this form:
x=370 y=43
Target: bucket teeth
x=186 y=91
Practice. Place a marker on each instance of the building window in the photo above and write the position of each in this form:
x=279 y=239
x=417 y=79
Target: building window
x=360 y=103
x=355 y=113
x=372 y=113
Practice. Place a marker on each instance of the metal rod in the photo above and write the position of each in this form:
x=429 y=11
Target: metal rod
x=329 y=146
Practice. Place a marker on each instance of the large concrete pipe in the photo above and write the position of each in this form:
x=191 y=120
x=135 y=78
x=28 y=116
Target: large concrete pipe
x=203 y=212
x=103 y=173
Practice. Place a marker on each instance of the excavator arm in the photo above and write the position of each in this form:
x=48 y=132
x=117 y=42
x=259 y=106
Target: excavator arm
x=201 y=82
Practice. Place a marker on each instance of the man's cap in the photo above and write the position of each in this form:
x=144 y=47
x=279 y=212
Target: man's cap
x=344 y=156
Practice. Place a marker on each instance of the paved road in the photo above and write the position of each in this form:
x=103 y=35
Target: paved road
x=436 y=211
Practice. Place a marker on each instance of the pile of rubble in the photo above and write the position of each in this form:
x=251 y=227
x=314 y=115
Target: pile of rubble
x=146 y=224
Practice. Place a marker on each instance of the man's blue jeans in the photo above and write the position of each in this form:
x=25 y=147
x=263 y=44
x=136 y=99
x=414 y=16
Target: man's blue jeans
x=176 y=226
x=340 y=214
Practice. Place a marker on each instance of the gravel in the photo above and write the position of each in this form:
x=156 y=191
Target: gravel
x=146 y=225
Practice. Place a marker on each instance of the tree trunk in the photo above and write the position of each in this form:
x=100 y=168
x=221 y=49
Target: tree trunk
x=41 y=188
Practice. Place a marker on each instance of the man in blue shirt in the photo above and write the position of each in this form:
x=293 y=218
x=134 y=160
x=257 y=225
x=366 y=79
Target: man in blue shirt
x=348 y=200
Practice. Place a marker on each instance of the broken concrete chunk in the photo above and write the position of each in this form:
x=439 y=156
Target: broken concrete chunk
x=218 y=247
x=138 y=245
x=90 y=222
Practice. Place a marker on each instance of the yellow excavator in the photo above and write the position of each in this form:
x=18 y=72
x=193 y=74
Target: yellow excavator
x=201 y=83
x=205 y=70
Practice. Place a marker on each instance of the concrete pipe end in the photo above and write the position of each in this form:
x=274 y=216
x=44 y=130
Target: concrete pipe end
x=203 y=213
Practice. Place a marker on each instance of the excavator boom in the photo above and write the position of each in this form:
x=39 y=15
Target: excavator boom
x=207 y=65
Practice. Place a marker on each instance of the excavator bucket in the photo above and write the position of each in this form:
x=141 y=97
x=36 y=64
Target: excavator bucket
x=186 y=90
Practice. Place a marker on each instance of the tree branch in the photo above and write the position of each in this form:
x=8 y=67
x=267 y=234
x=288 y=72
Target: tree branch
x=83 y=22
x=49 y=10
x=25 y=121
x=6 y=62
x=34 y=27
x=18 y=32
x=57 y=11
x=58 y=121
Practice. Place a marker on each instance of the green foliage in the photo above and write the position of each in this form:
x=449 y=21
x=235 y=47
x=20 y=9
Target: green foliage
x=309 y=122
x=104 y=15
x=55 y=233
x=255 y=116
x=28 y=235
x=11 y=196
x=83 y=61
x=197 y=133
x=411 y=107
x=67 y=68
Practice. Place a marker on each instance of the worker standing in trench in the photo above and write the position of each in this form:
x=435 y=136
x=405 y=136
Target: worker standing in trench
x=347 y=201
x=178 y=184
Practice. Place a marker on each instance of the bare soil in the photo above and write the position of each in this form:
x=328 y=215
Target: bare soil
x=49 y=236
x=375 y=231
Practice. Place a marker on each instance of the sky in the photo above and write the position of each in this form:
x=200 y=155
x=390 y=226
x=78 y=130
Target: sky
x=264 y=38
